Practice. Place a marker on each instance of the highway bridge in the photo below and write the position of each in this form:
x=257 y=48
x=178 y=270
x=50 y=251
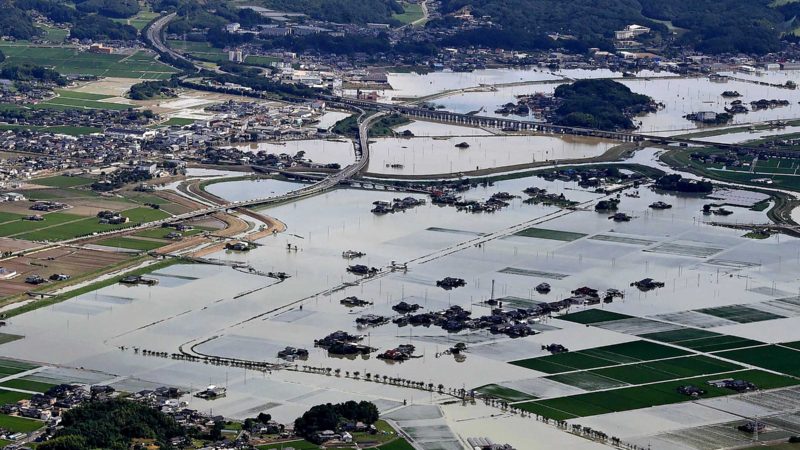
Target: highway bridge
x=361 y=147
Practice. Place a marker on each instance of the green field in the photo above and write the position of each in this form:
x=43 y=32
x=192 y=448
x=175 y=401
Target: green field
x=65 y=129
x=10 y=397
x=590 y=316
x=57 y=194
x=411 y=13
x=773 y=357
x=69 y=60
x=27 y=385
x=680 y=158
x=54 y=35
x=610 y=355
x=62 y=181
x=19 y=424
x=68 y=101
x=625 y=399
x=131 y=243
x=5 y=338
x=161 y=233
x=23 y=226
x=198 y=50
x=89 y=225
x=177 y=121
x=140 y=20
x=264 y=61
x=555 y=235
x=11 y=367
x=82 y=95
x=511 y=395
x=702 y=340
x=397 y=444
x=643 y=373
x=740 y=313
x=297 y=445
x=9 y=217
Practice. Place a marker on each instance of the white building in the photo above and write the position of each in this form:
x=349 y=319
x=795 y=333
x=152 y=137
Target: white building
x=236 y=56
x=631 y=32
x=232 y=27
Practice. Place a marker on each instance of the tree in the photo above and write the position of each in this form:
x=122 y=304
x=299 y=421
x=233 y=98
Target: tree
x=65 y=443
x=215 y=433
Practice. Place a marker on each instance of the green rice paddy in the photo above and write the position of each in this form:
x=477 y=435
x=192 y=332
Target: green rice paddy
x=69 y=60
x=590 y=316
x=610 y=355
x=556 y=235
x=625 y=399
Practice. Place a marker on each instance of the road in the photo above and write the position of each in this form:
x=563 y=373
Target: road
x=361 y=147
x=155 y=32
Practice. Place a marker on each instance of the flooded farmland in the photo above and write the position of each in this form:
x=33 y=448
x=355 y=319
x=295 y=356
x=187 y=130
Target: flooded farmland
x=217 y=311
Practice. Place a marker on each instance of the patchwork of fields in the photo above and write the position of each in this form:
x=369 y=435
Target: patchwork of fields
x=69 y=60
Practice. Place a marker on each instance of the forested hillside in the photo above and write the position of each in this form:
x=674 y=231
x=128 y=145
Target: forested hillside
x=714 y=26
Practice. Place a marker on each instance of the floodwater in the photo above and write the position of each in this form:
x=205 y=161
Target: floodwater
x=431 y=129
x=322 y=151
x=679 y=97
x=330 y=118
x=218 y=311
x=426 y=156
x=409 y=85
x=244 y=190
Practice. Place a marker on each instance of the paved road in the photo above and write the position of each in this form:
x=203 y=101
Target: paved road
x=361 y=146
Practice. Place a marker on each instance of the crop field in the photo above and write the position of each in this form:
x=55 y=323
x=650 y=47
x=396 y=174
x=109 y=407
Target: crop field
x=590 y=316
x=11 y=397
x=298 y=445
x=19 y=424
x=140 y=20
x=650 y=372
x=82 y=95
x=556 y=235
x=701 y=340
x=199 y=50
x=54 y=35
x=161 y=233
x=69 y=60
x=83 y=226
x=740 y=313
x=24 y=226
x=505 y=393
x=64 y=129
x=9 y=217
x=628 y=398
x=176 y=121
x=132 y=243
x=611 y=355
x=773 y=357
x=256 y=60
x=77 y=100
x=62 y=181
x=27 y=385
x=8 y=367
x=411 y=13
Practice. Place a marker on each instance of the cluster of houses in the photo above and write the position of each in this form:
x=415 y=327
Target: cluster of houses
x=343 y=343
x=47 y=206
x=111 y=218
